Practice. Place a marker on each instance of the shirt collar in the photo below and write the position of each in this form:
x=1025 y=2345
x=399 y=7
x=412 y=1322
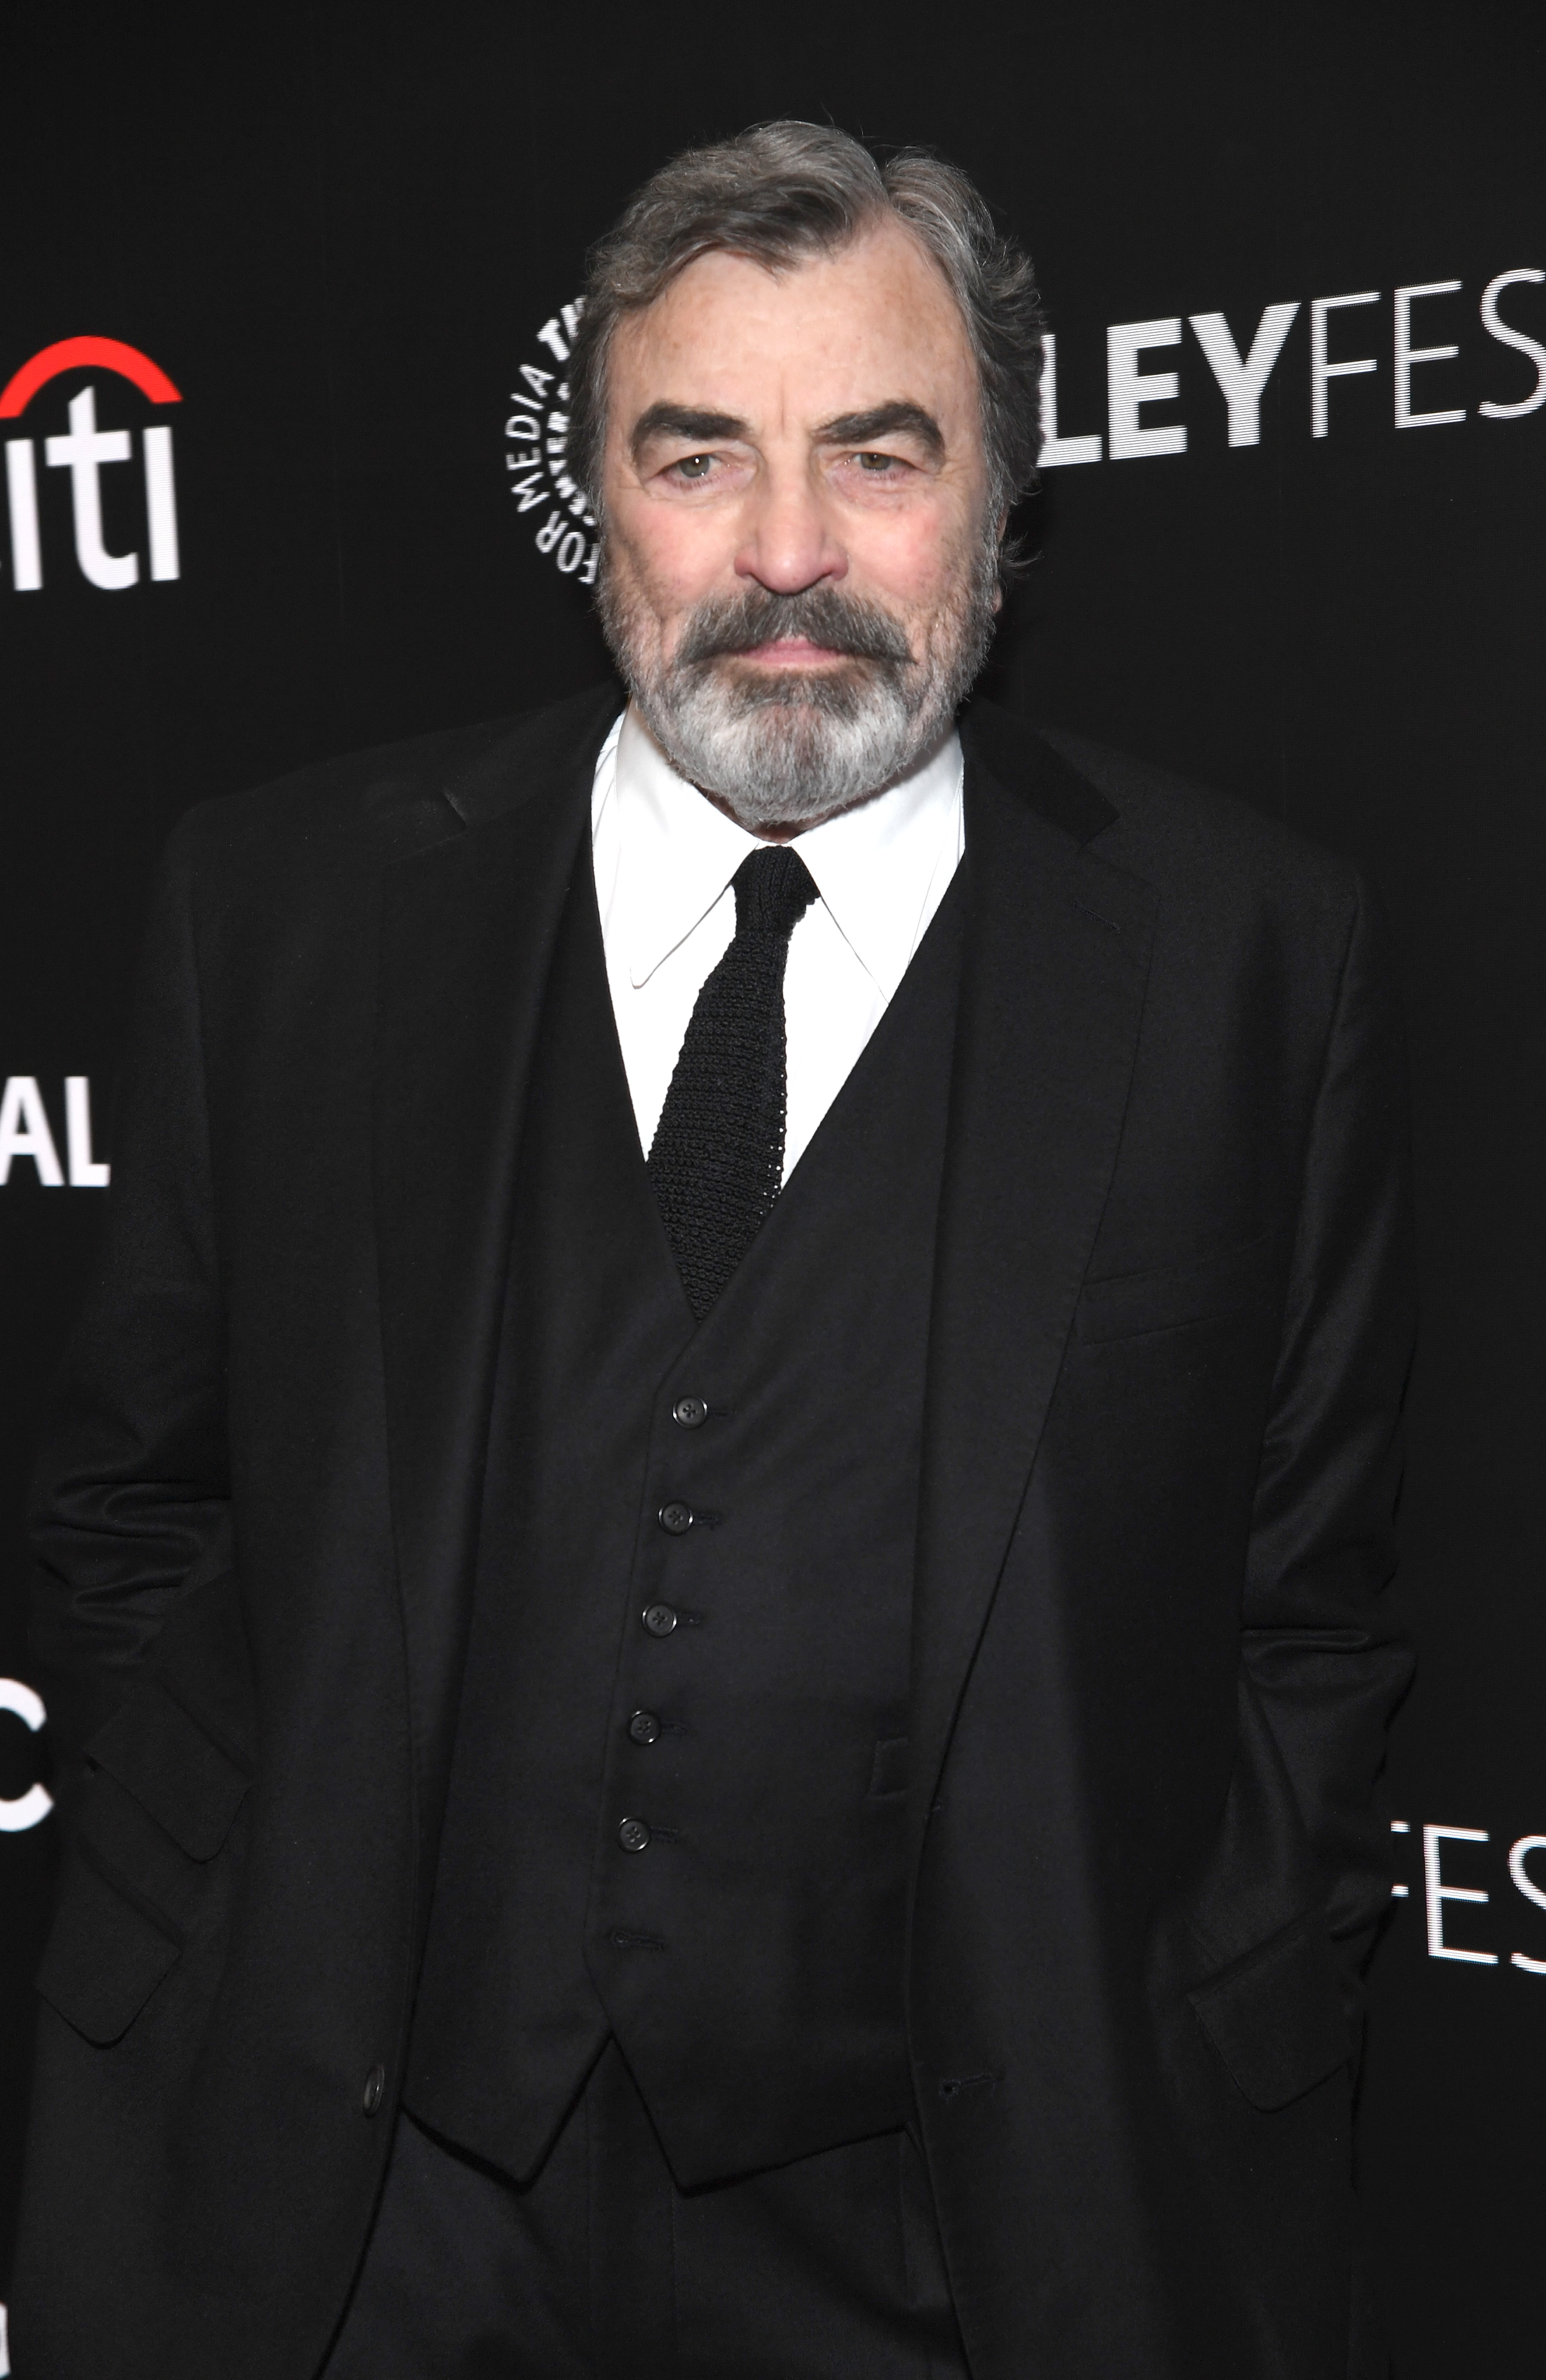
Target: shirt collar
x=873 y=866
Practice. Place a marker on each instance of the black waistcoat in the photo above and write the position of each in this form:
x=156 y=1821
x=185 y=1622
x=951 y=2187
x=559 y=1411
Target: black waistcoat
x=676 y=1810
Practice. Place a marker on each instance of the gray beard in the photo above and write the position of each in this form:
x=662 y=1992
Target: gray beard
x=786 y=747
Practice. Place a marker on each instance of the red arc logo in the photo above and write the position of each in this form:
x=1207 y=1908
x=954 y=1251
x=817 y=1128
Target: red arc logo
x=70 y=355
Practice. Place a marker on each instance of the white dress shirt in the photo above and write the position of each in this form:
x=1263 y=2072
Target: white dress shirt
x=663 y=858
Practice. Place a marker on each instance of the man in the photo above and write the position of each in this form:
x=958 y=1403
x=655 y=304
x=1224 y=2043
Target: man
x=717 y=1528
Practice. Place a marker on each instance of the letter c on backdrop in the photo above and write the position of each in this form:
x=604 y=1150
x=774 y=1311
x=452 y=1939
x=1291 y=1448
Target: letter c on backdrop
x=33 y=1805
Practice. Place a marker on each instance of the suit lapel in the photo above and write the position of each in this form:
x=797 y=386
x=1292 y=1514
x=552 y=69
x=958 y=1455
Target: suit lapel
x=468 y=929
x=1056 y=962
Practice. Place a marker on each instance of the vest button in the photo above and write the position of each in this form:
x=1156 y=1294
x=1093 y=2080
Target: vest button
x=374 y=2091
x=659 y=1618
x=633 y=1834
x=690 y=1412
x=676 y=1519
x=644 y=1726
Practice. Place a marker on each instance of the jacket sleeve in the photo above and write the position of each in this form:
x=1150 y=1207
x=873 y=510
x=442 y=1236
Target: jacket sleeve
x=131 y=1493
x=1320 y=1648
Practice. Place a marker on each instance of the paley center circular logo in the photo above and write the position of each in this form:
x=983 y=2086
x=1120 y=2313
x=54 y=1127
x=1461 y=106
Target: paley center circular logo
x=562 y=524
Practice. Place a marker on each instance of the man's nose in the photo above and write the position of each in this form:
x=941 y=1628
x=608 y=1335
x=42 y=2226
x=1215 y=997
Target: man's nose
x=788 y=543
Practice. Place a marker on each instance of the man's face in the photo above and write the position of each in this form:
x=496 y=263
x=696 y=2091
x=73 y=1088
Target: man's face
x=797 y=575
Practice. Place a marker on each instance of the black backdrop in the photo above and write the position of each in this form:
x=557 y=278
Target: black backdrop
x=340 y=234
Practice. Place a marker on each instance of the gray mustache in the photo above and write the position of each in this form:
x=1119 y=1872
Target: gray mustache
x=845 y=624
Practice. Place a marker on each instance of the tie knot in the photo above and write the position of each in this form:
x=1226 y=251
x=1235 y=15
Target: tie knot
x=774 y=889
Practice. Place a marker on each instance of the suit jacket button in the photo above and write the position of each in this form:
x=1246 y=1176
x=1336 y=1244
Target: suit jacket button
x=659 y=1618
x=644 y=1726
x=676 y=1519
x=633 y=1834
x=690 y=1412
x=374 y=2091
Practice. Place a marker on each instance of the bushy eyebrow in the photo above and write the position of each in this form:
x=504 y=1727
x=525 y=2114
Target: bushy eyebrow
x=899 y=418
x=683 y=422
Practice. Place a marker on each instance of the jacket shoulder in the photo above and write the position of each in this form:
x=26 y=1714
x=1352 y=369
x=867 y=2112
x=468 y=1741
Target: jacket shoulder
x=362 y=808
x=1190 y=840
x=1178 y=834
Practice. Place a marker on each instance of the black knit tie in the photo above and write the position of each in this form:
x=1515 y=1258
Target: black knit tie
x=717 y=1161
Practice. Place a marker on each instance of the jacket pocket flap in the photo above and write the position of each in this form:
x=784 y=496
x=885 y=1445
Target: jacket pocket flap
x=172 y=1768
x=1277 y=2018
x=888 y=1774
x=104 y=1957
x=1207 y=1290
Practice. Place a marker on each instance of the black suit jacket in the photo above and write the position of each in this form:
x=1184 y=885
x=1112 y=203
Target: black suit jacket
x=1151 y=1678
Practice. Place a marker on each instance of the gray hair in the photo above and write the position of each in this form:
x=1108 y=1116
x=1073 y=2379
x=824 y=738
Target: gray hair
x=783 y=193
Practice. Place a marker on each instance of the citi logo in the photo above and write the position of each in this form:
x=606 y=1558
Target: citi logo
x=85 y=450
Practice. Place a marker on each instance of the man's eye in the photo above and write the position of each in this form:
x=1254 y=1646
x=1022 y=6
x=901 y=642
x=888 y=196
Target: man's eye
x=694 y=467
x=877 y=462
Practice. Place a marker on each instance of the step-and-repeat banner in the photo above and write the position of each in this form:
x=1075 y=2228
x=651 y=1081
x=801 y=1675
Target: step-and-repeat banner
x=285 y=321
